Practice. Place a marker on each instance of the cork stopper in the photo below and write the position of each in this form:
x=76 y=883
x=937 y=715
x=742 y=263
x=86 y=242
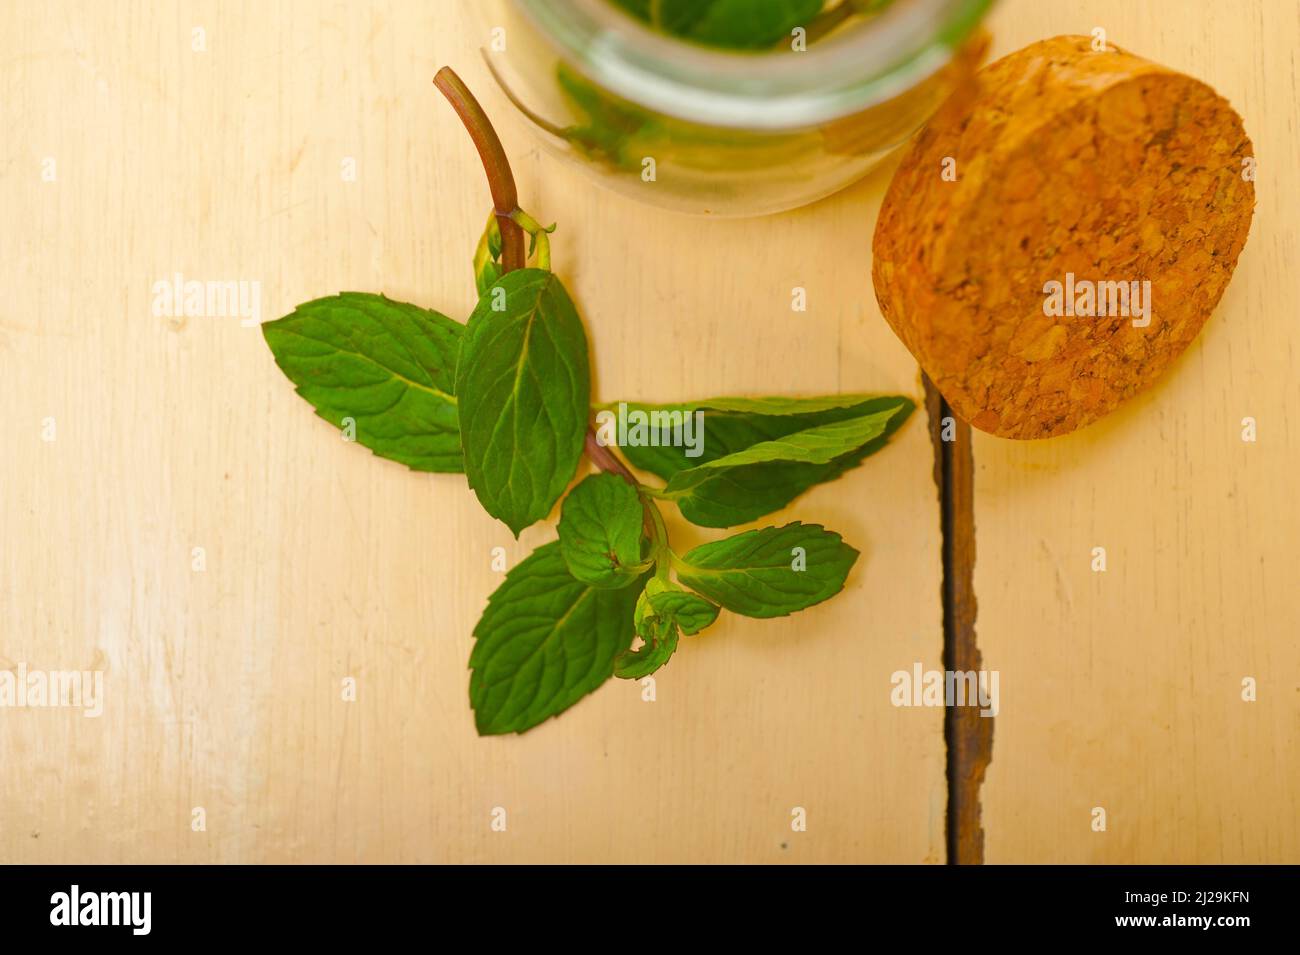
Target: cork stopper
x=1059 y=233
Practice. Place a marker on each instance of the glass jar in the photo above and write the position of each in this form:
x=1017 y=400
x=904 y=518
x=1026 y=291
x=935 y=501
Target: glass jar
x=718 y=132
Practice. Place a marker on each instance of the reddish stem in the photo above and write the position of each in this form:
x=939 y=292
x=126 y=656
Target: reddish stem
x=501 y=181
x=604 y=458
x=505 y=199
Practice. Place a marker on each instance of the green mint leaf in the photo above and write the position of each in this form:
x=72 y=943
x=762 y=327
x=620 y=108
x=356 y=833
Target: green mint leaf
x=660 y=638
x=732 y=496
x=637 y=8
x=609 y=125
x=815 y=445
x=724 y=491
x=691 y=612
x=769 y=572
x=765 y=477
x=659 y=635
x=600 y=531
x=732 y=425
x=775 y=405
x=643 y=614
x=662 y=614
x=487 y=276
x=544 y=642
x=524 y=387
x=734 y=24
x=487 y=256
x=387 y=366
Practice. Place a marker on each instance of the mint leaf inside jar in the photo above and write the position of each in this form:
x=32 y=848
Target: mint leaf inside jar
x=748 y=24
x=729 y=107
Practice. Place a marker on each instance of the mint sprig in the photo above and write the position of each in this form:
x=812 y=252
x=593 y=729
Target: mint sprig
x=506 y=398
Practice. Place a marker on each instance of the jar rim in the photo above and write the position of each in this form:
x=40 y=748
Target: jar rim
x=906 y=43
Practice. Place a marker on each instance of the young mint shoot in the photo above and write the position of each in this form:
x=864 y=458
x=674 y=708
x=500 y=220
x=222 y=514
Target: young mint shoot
x=506 y=398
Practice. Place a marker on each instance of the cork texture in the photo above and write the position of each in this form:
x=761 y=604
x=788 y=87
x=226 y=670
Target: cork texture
x=1119 y=180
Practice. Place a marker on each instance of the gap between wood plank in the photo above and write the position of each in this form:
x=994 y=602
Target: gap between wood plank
x=967 y=735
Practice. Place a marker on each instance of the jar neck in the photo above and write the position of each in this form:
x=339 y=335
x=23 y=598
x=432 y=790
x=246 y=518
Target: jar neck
x=845 y=73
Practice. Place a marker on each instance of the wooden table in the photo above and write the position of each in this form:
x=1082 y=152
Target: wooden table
x=131 y=439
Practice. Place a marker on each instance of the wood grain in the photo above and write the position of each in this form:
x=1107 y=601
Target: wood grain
x=323 y=562
x=1122 y=689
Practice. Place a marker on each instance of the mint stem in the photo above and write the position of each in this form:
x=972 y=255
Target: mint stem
x=505 y=199
x=604 y=458
x=501 y=181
